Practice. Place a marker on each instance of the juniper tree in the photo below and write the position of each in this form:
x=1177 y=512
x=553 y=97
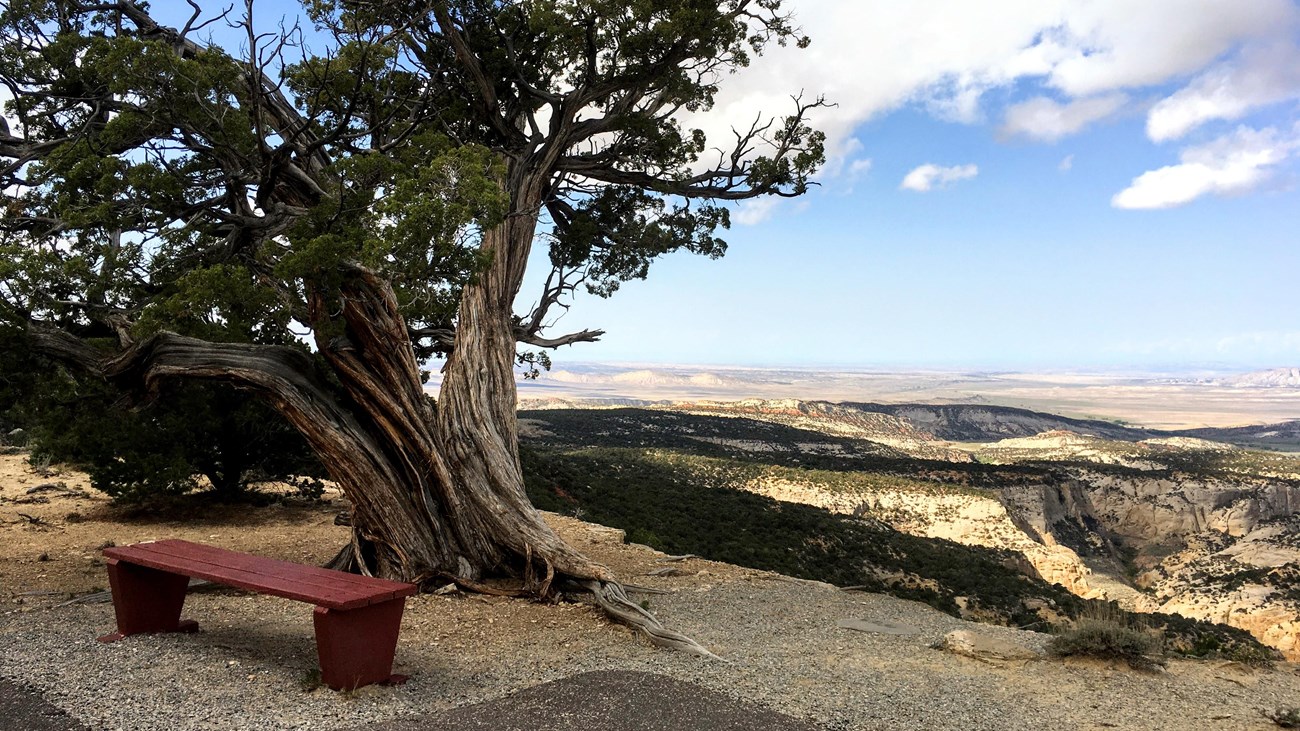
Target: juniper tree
x=380 y=200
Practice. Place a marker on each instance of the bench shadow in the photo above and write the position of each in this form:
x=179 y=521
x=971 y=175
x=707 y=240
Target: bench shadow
x=201 y=511
x=276 y=642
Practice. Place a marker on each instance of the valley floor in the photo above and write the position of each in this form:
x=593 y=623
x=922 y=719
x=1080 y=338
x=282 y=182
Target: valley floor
x=779 y=638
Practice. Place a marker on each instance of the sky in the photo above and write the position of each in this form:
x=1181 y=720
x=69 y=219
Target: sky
x=1011 y=184
x=1036 y=184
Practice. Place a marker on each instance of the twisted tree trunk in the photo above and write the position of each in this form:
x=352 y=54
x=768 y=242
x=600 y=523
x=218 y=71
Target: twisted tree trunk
x=461 y=512
x=435 y=496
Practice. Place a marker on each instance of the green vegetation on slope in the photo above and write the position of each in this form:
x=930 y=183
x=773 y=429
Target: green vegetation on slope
x=673 y=505
x=663 y=506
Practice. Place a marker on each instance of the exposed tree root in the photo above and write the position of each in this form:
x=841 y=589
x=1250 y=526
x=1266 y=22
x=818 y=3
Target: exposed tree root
x=639 y=589
x=611 y=596
x=479 y=587
x=613 y=599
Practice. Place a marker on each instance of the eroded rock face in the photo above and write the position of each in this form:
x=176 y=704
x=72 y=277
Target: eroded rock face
x=1205 y=548
x=1154 y=509
x=1252 y=608
x=1251 y=582
x=966 y=518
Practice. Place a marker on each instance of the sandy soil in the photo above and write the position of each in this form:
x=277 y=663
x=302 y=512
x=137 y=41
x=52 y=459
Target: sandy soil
x=52 y=539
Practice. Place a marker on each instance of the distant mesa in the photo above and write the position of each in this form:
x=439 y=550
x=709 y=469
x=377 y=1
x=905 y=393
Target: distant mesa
x=661 y=378
x=1274 y=378
x=1194 y=443
x=571 y=377
x=644 y=377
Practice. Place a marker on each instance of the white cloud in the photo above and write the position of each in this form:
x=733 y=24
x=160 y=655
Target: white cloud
x=859 y=167
x=1234 y=163
x=1065 y=164
x=1115 y=44
x=755 y=211
x=842 y=170
x=1258 y=77
x=1044 y=119
x=838 y=160
x=873 y=56
x=1257 y=343
x=929 y=175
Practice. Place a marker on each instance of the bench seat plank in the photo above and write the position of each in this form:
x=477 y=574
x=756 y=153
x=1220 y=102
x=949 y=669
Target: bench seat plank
x=287 y=569
x=213 y=554
x=323 y=587
x=332 y=597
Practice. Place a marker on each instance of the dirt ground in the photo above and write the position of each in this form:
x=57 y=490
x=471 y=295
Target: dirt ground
x=53 y=538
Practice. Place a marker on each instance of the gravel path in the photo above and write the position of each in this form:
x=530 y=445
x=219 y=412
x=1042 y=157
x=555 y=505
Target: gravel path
x=249 y=667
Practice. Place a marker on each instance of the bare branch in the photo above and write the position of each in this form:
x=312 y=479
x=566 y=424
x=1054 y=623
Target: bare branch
x=586 y=336
x=445 y=336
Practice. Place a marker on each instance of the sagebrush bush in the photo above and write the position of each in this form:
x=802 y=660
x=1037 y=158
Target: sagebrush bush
x=1110 y=635
x=1285 y=717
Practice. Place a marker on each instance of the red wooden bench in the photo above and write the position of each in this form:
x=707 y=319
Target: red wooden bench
x=357 y=618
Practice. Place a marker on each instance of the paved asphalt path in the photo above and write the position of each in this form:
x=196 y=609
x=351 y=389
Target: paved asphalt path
x=609 y=701
x=22 y=709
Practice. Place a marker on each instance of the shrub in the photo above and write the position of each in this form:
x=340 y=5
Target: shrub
x=189 y=431
x=1108 y=634
x=1285 y=717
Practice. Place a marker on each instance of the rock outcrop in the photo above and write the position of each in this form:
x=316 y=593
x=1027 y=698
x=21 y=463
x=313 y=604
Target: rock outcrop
x=984 y=648
x=962 y=517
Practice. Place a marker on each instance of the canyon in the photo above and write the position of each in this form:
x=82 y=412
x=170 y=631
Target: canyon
x=1155 y=521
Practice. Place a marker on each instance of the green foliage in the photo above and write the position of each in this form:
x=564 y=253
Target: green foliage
x=533 y=363
x=222 y=303
x=192 y=431
x=18 y=372
x=1197 y=638
x=1285 y=717
x=617 y=232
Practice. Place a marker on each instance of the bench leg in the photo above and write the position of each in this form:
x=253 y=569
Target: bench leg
x=146 y=600
x=356 y=646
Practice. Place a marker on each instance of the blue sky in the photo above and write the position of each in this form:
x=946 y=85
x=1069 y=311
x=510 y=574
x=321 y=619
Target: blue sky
x=1033 y=255
x=1110 y=185
x=1024 y=265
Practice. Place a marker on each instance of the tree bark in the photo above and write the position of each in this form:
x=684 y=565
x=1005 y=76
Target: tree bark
x=458 y=508
x=477 y=427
